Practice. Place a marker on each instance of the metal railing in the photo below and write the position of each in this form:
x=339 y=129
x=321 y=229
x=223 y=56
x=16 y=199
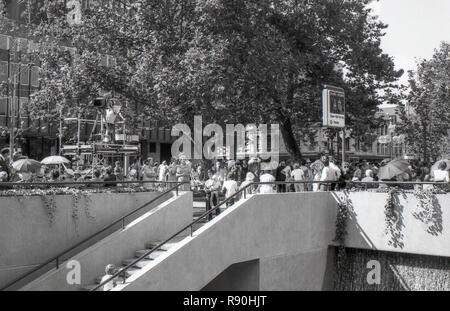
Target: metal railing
x=122 y=272
x=60 y=257
x=87 y=183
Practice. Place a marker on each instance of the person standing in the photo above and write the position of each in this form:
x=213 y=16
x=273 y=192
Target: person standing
x=148 y=174
x=162 y=170
x=287 y=171
x=184 y=173
x=317 y=171
x=298 y=175
x=280 y=176
x=307 y=175
x=269 y=178
x=335 y=172
x=249 y=178
x=171 y=174
x=230 y=187
x=110 y=270
x=118 y=171
x=328 y=174
x=212 y=187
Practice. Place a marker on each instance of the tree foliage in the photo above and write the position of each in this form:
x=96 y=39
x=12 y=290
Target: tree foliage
x=256 y=61
x=426 y=117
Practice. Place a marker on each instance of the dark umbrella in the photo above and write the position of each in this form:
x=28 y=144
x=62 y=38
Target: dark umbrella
x=26 y=165
x=392 y=169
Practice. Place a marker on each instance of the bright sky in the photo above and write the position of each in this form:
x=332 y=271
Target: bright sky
x=416 y=28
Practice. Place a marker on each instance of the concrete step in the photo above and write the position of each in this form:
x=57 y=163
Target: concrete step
x=138 y=265
x=152 y=256
x=198 y=212
x=128 y=273
x=152 y=245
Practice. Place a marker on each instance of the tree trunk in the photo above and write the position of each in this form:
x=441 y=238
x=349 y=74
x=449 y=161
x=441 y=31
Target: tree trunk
x=286 y=124
x=424 y=145
x=288 y=137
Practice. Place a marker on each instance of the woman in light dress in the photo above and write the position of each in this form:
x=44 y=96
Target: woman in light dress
x=149 y=173
x=184 y=173
x=171 y=174
x=317 y=168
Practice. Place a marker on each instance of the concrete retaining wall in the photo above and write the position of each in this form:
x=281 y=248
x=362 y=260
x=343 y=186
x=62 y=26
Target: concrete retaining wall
x=413 y=233
x=31 y=233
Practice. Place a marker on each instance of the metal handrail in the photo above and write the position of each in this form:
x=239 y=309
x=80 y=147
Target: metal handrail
x=121 y=272
x=122 y=219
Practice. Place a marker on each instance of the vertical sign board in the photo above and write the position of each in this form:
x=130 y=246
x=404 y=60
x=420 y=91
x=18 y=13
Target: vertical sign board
x=333 y=107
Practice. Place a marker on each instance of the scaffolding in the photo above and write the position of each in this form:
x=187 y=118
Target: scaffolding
x=100 y=148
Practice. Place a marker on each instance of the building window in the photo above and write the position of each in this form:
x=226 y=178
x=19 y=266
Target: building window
x=347 y=144
x=152 y=147
x=3 y=106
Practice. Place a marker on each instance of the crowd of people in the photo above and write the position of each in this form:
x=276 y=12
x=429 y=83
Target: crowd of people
x=225 y=178
x=323 y=174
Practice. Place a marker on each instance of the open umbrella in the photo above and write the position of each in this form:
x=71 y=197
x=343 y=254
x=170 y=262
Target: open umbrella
x=436 y=165
x=55 y=160
x=392 y=169
x=385 y=161
x=26 y=165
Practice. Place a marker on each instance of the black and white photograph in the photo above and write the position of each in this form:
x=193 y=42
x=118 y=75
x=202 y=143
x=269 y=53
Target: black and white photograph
x=219 y=152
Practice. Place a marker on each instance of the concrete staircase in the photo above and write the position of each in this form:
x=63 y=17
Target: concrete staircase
x=199 y=208
x=139 y=265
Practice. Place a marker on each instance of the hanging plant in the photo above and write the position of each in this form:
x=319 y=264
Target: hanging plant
x=341 y=232
x=393 y=217
x=428 y=210
x=50 y=206
x=87 y=203
x=75 y=210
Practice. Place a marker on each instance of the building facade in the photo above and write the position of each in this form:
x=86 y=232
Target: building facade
x=19 y=78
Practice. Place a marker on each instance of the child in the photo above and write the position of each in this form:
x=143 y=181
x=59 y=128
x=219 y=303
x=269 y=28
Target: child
x=109 y=270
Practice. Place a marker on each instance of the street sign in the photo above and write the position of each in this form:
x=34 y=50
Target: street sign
x=333 y=107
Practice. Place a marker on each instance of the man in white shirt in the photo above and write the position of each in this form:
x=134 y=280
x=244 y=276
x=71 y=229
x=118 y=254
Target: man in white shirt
x=328 y=174
x=230 y=187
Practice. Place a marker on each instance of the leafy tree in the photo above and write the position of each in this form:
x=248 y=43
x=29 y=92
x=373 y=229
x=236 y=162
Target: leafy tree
x=229 y=61
x=426 y=117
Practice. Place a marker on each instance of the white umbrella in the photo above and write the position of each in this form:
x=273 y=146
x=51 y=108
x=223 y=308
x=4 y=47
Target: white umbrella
x=26 y=165
x=55 y=160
